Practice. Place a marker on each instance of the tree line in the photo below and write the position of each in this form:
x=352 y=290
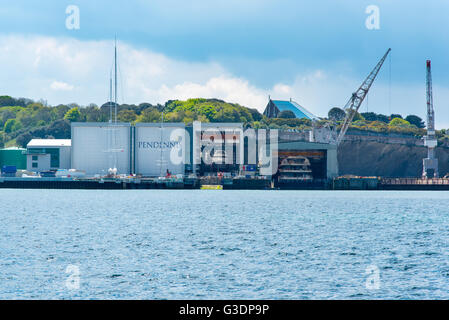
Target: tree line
x=23 y=119
x=338 y=114
x=394 y=123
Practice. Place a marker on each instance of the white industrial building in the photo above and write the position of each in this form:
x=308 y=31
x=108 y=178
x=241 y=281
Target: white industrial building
x=98 y=147
x=159 y=148
x=224 y=143
x=152 y=149
x=148 y=149
x=48 y=154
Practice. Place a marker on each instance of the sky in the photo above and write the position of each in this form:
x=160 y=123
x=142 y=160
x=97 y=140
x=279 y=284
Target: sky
x=315 y=52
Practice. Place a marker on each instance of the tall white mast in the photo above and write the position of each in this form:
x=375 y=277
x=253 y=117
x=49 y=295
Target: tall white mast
x=110 y=97
x=112 y=127
x=115 y=74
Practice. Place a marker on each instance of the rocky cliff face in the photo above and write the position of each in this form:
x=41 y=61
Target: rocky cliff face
x=383 y=158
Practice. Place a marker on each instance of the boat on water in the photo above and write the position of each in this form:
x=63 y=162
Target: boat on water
x=211 y=187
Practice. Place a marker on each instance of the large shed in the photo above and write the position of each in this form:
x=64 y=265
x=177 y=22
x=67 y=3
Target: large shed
x=274 y=107
x=13 y=157
x=48 y=154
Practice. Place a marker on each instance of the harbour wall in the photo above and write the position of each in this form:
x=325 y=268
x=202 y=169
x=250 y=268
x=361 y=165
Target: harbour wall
x=386 y=156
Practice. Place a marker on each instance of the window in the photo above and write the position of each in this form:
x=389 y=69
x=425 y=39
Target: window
x=54 y=157
x=34 y=158
x=36 y=150
x=34 y=164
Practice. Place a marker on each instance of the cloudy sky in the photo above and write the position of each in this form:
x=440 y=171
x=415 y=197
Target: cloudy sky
x=316 y=52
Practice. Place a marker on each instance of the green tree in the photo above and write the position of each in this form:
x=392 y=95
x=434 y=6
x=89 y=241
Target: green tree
x=336 y=114
x=392 y=116
x=126 y=116
x=286 y=114
x=95 y=114
x=358 y=117
x=378 y=126
x=202 y=118
x=6 y=114
x=189 y=117
x=7 y=101
x=59 y=129
x=398 y=122
x=207 y=110
x=172 y=117
x=259 y=125
x=150 y=115
x=369 y=116
x=73 y=115
x=415 y=120
x=226 y=114
x=256 y=115
x=43 y=114
x=23 y=139
x=9 y=125
x=60 y=111
x=26 y=118
x=383 y=118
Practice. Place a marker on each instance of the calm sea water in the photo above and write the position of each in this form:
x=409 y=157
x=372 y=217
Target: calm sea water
x=157 y=244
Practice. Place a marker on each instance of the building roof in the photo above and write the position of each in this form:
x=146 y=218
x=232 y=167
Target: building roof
x=49 y=143
x=100 y=124
x=12 y=149
x=298 y=110
x=221 y=124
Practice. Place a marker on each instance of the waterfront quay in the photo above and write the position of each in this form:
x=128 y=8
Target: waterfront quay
x=383 y=183
x=235 y=183
x=131 y=183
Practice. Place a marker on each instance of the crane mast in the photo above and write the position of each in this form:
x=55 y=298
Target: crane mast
x=430 y=164
x=354 y=103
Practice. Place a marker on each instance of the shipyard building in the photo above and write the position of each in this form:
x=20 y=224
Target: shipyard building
x=226 y=140
x=202 y=149
x=13 y=157
x=97 y=147
x=48 y=154
x=158 y=149
x=144 y=149
x=275 y=107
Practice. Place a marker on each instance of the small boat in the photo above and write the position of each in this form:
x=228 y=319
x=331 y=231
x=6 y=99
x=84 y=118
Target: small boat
x=47 y=174
x=211 y=187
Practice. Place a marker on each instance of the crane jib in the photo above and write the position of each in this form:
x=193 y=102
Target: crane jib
x=357 y=97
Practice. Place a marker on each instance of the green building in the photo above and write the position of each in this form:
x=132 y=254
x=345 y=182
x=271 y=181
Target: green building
x=13 y=157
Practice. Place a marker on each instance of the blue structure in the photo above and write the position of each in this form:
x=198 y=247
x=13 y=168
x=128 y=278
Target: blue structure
x=274 y=107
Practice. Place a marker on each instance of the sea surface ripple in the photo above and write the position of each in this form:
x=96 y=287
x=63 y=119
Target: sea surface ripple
x=198 y=244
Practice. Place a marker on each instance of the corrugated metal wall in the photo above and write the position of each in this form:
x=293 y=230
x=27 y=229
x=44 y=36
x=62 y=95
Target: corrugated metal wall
x=13 y=157
x=94 y=149
x=157 y=150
